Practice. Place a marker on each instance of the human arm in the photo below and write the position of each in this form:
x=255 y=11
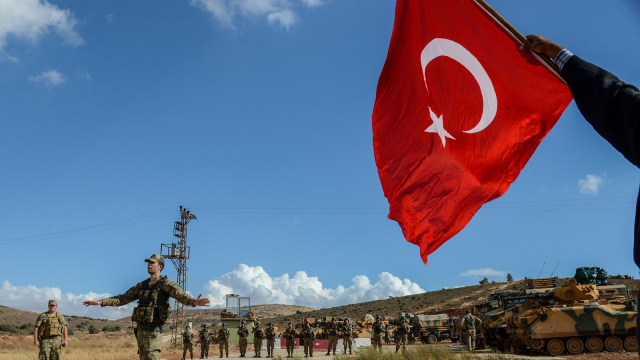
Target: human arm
x=119 y=300
x=610 y=105
x=172 y=288
x=35 y=336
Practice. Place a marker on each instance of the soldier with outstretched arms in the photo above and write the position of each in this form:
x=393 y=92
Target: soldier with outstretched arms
x=152 y=312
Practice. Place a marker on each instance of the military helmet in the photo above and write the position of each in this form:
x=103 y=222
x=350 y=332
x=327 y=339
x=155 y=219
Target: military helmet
x=242 y=322
x=290 y=323
x=223 y=324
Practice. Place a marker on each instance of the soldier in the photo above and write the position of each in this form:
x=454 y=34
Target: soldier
x=187 y=342
x=223 y=339
x=258 y=335
x=204 y=342
x=270 y=333
x=308 y=336
x=468 y=324
x=50 y=327
x=334 y=333
x=378 y=329
x=290 y=337
x=243 y=334
x=153 y=306
x=401 y=334
x=347 y=335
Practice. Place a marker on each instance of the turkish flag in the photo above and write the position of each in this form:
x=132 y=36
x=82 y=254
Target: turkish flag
x=459 y=111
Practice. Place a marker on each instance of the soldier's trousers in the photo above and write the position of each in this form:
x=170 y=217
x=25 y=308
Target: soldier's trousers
x=333 y=343
x=149 y=343
x=257 y=345
x=402 y=340
x=224 y=345
x=50 y=348
x=271 y=343
x=471 y=340
x=308 y=346
x=377 y=341
x=346 y=342
x=204 y=350
x=290 y=345
x=242 y=343
x=186 y=347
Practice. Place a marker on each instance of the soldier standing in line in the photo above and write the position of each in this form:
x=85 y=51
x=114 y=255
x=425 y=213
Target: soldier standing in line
x=270 y=333
x=243 y=334
x=290 y=337
x=347 y=335
x=152 y=311
x=204 y=342
x=378 y=329
x=258 y=335
x=334 y=333
x=50 y=327
x=468 y=325
x=223 y=339
x=308 y=336
x=402 y=332
x=187 y=342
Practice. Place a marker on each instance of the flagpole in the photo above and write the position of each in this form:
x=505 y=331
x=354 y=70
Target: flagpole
x=515 y=32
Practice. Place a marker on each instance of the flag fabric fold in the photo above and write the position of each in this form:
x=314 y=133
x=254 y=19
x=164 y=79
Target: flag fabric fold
x=459 y=111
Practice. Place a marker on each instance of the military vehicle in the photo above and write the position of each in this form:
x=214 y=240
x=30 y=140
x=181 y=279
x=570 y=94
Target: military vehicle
x=573 y=318
x=431 y=329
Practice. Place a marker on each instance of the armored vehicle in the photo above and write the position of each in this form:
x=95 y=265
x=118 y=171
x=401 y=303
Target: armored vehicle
x=431 y=329
x=573 y=318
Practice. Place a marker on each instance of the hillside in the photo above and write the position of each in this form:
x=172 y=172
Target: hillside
x=451 y=301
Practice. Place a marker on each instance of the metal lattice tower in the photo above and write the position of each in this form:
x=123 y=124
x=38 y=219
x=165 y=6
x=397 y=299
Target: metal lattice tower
x=179 y=253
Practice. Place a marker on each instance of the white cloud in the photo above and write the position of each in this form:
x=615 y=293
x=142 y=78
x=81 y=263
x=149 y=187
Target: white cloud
x=49 y=78
x=252 y=281
x=276 y=12
x=591 y=184
x=32 y=19
x=302 y=289
x=486 y=272
x=35 y=299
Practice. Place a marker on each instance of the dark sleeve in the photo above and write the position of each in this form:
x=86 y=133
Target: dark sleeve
x=611 y=106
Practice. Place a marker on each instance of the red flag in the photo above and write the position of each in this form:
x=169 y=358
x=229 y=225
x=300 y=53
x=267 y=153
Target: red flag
x=459 y=111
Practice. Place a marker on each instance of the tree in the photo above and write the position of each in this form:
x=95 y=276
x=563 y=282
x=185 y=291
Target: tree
x=93 y=329
x=484 y=281
x=509 y=277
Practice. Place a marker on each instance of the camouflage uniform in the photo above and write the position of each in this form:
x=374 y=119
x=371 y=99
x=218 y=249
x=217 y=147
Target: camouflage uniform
x=347 y=335
x=204 y=342
x=243 y=334
x=401 y=335
x=378 y=329
x=50 y=329
x=258 y=335
x=307 y=337
x=151 y=313
x=334 y=332
x=270 y=333
x=469 y=327
x=187 y=342
x=290 y=336
x=223 y=339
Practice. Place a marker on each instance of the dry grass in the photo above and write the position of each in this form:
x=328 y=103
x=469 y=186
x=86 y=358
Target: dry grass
x=95 y=347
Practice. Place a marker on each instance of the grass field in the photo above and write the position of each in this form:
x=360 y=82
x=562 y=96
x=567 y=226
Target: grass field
x=83 y=347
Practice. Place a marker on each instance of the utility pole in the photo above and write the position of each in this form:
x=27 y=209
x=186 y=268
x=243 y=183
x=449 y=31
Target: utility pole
x=179 y=254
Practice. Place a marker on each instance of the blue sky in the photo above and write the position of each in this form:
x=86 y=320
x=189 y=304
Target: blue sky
x=256 y=115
